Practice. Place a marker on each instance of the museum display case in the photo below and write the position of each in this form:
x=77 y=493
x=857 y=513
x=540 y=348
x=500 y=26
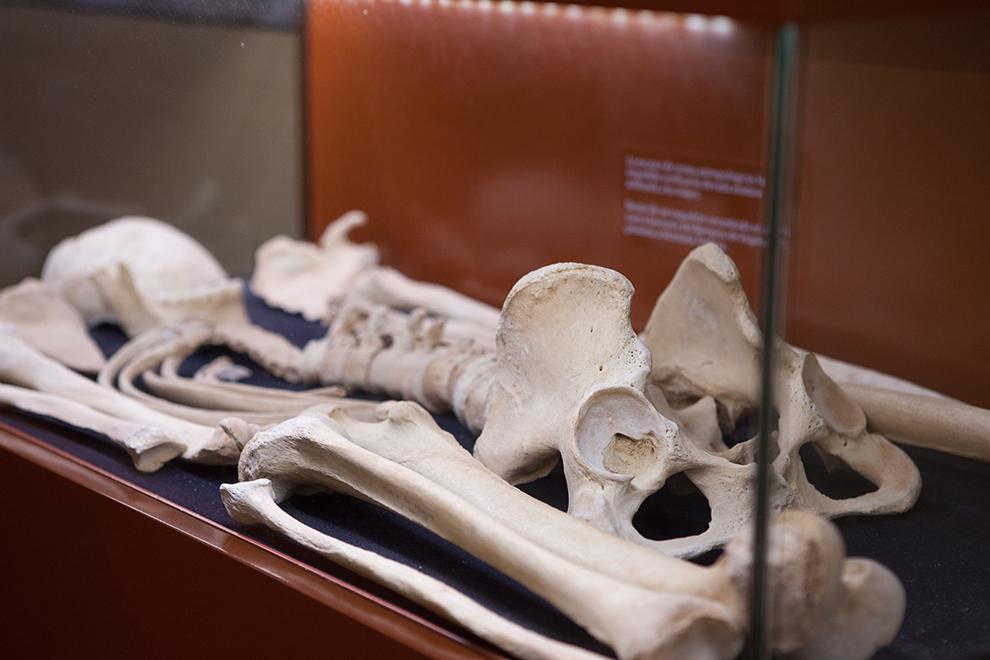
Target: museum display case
x=436 y=328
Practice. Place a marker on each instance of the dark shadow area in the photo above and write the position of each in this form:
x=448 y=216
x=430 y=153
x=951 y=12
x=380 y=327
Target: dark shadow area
x=708 y=558
x=745 y=428
x=551 y=489
x=674 y=511
x=831 y=476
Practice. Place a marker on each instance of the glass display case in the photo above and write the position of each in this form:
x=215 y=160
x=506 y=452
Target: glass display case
x=436 y=327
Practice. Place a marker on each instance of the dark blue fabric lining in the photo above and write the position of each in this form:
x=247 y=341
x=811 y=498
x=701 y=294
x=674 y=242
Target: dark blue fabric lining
x=938 y=549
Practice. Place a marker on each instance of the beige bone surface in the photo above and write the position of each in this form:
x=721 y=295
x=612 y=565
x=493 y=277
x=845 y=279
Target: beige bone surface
x=570 y=384
x=42 y=318
x=301 y=277
x=926 y=421
x=26 y=368
x=377 y=349
x=387 y=286
x=949 y=425
x=641 y=603
x=851 y=374
x=147 y=446
x=162 y=261
x=705 y=343
x=912 y=414
x=254 y=502
x=206 y=403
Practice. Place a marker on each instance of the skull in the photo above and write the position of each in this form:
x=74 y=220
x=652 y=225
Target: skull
x=142 y=274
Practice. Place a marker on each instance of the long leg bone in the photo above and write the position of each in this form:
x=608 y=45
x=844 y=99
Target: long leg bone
x=254 y=502
x=851 y=374
x=148 y=447
x=411 y=438
x=408 y=436
x=926 y=421
x=23 y=366
x=643 y=604
x=306 y=452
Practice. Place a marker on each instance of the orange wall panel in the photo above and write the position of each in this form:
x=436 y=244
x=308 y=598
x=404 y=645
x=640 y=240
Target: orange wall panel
x=889 y=262
x=486 y=140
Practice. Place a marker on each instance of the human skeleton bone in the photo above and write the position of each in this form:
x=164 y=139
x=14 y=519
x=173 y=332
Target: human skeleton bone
x=571 y=383
x=580 y=398
x=145 y=273
x=147 y=446
x=570 y=380
x=300 y=277
x=946 y=425
x=165 y=267
x=42 y=318
x=377 y=349
x=408 y=355
x=199 y=400
x=148 y=435
x=705 y=342
x=641 y=603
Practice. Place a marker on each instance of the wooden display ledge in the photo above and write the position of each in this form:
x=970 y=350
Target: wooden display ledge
x=97 y=566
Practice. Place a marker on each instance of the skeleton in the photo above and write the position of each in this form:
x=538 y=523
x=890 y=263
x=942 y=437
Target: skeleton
x=641 y=603
x=146 y=274
x=551 y=377
x=569 y=381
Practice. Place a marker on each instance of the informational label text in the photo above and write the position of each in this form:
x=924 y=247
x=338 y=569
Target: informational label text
x=691 y=204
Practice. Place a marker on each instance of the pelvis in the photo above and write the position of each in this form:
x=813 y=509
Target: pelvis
x=626 y=413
